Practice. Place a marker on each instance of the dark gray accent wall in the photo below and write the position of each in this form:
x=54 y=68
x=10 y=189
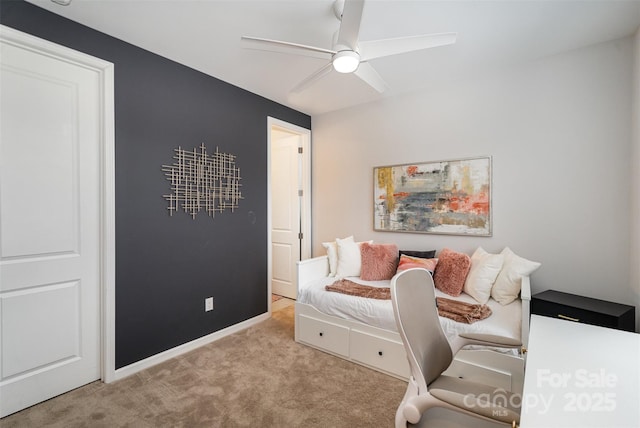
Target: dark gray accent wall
x=166 y=266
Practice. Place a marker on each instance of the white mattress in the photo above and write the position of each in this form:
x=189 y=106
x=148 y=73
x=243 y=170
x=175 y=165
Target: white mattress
x=504 y=320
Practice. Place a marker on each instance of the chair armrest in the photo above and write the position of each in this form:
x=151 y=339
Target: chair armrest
x=414 y=407
x=464 y=339
x=492 y=340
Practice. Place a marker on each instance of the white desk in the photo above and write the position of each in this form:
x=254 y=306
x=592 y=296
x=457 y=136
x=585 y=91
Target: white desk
x=579 y=375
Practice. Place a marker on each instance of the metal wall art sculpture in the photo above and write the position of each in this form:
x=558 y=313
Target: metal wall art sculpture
x=202 y=182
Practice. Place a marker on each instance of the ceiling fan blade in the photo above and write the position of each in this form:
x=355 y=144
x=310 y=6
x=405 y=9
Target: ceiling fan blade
x=371 y=77
x=350 y=25
x=313 y=78
x=285 y=47
x=387 y=47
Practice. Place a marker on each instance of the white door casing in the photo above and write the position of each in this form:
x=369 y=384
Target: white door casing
x=289 y=204
x=56 y=220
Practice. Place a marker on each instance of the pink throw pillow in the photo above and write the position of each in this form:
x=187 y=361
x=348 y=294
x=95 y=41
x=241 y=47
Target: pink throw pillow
x=378 y=261
x=451 y=271
x=409 y=262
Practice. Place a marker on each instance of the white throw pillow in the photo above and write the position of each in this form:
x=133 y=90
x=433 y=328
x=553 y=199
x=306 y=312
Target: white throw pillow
x=349 y=258
x=332 y=254
x=484 y=270
x=507 y=285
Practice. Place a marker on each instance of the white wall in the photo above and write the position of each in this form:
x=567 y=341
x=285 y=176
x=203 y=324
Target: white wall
x=635 y=187
x=559 y=131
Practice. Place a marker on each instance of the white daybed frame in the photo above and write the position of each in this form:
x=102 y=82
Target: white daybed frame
x=382 y=350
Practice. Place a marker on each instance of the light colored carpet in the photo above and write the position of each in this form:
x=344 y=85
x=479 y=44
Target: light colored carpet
x=258 y=377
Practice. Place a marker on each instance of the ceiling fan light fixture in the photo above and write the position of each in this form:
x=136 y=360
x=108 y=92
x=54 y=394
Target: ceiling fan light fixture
x=346 y=61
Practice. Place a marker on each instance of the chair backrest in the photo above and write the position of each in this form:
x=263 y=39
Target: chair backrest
x=416 y=314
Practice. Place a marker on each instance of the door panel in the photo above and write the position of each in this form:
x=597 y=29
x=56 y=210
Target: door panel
x=48 y=334
x=285 y=211
x=282 y=263
x=38 y=120
x=50 y=192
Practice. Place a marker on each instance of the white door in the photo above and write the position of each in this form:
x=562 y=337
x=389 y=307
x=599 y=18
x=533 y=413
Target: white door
x=289 y=215
x=50 y=254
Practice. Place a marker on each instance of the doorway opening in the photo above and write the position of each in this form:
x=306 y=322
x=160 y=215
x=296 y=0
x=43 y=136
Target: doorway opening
x=289 y=205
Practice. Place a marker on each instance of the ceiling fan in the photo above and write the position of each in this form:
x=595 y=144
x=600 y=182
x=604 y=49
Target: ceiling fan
x=349 y=55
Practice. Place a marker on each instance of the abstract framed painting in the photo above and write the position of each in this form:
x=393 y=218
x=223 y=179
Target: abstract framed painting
x=445 y=197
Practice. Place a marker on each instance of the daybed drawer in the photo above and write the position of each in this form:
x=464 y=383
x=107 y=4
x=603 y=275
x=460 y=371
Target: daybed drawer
x=332 y=337
x=388 y=355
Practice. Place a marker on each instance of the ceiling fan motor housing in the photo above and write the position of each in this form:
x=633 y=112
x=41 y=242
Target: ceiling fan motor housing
x=346 y=61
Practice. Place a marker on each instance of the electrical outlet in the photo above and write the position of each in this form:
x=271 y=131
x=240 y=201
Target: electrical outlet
x=208 y=304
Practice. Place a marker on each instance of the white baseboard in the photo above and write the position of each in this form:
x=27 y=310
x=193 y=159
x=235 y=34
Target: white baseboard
x=123 y=372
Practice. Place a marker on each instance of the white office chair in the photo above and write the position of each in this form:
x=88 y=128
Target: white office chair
x=430 y=354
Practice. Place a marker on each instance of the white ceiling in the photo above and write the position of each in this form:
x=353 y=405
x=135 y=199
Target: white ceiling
x=205 y=35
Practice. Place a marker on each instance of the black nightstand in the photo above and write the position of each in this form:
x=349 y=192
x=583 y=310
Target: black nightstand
x=557 y=304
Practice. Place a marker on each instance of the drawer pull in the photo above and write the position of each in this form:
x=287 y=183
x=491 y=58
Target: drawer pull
x=380 y=353
x=321 y=333
x=564 y=317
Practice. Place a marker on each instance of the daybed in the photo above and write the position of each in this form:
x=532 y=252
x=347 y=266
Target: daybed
x=363 y=330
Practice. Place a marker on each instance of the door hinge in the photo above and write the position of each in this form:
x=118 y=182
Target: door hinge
x=300 y=192
x=300 y=150
x=300 y=235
